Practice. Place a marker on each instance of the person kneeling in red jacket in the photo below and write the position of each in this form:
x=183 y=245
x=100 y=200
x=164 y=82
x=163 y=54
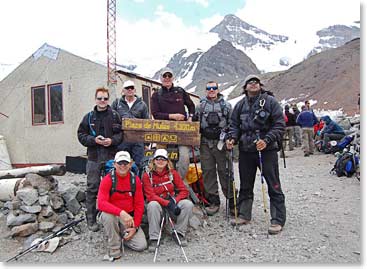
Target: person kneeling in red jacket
x=165 y=191
x=122 y=207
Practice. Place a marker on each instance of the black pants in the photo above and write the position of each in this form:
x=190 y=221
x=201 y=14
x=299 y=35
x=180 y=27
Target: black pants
x=93 y=180
x=248 y=163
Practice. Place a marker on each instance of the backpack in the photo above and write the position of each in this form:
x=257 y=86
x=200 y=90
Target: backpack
x=92 y=118
x=114 y=183
x=345 y=165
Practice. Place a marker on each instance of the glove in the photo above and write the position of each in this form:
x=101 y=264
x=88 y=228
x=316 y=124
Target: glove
x=172 y=207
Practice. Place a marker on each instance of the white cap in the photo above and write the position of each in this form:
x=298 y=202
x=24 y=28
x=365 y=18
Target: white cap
x=161 y=153
x=122 y=156
x=166 y=70
x=128 y=83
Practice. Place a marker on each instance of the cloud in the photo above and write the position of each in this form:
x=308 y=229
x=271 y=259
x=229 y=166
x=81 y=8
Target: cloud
x=297 y=18
x=204 y=3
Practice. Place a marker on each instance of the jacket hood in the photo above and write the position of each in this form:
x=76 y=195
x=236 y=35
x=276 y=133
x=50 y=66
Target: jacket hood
x=326 y=119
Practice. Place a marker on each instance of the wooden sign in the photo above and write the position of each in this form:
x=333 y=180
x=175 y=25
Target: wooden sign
x=161 y=132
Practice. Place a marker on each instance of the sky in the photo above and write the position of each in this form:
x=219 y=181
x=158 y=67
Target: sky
x=150 y=32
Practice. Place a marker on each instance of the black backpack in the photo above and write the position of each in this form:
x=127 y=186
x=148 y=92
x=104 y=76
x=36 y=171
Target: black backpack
x=345 y=165
x=114 y=182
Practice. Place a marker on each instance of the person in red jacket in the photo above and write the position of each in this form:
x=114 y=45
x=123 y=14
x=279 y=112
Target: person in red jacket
x=121 y=207
x=164 y=189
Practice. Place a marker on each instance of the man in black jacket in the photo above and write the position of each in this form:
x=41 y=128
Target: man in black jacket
x=257 y=124
x=99 y=131
x=289 y=128
x=131 y=106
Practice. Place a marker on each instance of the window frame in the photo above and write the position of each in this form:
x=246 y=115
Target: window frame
x=50 y=122
x=32 y=105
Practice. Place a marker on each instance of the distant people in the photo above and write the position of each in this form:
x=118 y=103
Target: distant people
x=131 y=106
x=168 y=103
x=308 y=105
x=121 y=202
x=289 y=128
x=257 y=124
x=214 y=114
x=165 y=192
x=307 y=119
x=297 y=129
x=99 y=131
x=331 y=130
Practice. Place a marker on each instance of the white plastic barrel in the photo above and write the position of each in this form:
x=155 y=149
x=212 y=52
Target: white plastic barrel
x=4 y=155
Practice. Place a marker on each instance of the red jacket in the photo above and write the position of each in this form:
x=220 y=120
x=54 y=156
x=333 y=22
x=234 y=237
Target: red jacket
x=121 y=201
x=159 y=193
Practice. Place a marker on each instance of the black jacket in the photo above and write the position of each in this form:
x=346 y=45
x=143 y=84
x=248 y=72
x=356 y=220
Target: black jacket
x=107 y=124
x=244 y=127
x=139 y=109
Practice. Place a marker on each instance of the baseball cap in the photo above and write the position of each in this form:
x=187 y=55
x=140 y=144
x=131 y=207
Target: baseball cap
x=166 y=70
x=122 y=156
x=252 y=77
x=128 y=83
x=161 y=153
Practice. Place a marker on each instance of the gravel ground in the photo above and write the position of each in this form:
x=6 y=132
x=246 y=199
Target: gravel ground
x=323 y=227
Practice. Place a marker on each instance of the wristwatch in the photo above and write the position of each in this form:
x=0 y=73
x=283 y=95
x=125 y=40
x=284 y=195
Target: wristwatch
x=136 y=228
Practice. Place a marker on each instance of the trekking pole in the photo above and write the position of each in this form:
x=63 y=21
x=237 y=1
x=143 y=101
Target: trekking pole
x=55 y=234
x=175 y=232
x=234 y=187
x=228 y=187
x=262 y=181
x=159 y=240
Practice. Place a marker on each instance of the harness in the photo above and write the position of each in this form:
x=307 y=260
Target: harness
x=114 y=183
x=91 y=117
x=222 y=108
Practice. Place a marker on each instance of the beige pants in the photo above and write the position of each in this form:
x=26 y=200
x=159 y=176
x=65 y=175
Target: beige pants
x=155 y=213
x=307 y=140
x=113 y=228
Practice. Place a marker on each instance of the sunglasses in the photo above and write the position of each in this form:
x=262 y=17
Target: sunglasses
x=208 y=88
x=102 y=98
x=167 y=75
x=130 y=88
x=160 y=159
x=123 y=163
x=253 y=82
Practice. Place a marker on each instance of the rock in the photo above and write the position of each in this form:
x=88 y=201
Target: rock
x=12 y=205
x=24 y=230
x=73 y=206
x=31 y=208
x=47 y=211
x=44 y=200
x=56 y=201
x=13 y=220
x=46 y=226
x=42 y=184
x=27 y=195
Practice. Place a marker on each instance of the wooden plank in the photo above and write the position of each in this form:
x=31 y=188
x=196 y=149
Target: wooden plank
x=161 y=132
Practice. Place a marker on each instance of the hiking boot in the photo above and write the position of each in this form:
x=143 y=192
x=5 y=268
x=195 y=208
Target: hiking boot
x=152 y=245
x=212 y=210
x=182 y=239
x=239 y=222
x=307 y=154
x=93 y=227
x=275 y=229
x=311 y=153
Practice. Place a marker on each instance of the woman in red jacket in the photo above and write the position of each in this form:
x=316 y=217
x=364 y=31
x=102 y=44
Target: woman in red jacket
x=122 y=207
x=164 y=189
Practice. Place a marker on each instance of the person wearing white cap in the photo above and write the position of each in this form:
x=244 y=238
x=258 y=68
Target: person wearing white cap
x=121 y=202
x=129 y=105
x=257 y=125
x=168 y=103
x=164 y=189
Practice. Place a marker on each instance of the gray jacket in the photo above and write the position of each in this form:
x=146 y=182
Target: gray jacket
x=138 y=110
x=247 y=121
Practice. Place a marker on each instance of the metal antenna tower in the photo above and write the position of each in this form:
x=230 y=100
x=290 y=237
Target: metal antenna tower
x=111 y=43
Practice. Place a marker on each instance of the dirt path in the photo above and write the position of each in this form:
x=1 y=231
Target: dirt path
x=323 y=226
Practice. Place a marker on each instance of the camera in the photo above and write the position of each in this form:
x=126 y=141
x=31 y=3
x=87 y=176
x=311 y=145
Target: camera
x=261 y=115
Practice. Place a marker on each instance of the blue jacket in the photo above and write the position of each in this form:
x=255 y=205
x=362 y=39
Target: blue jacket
x=331 y=127
x=306 y=119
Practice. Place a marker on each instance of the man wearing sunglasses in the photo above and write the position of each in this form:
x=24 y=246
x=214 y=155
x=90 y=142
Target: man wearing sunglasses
x=99 y=131
x=121 y=202
x=131 y=106
x=214 y=113
x=168 y=103
x=257 y=124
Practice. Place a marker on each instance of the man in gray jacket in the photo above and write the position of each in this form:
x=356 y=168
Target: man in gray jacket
x=131 y=106
x=214 y=114
x=257 y=124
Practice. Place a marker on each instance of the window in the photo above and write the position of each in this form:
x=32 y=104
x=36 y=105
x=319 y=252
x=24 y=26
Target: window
x=55 y=110
x=54 y=113
x=38 y=106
